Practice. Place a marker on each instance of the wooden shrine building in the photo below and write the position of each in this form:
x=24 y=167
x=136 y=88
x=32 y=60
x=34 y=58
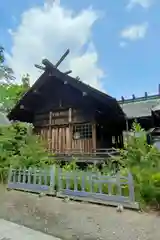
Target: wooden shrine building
x=145 y=110
x=69 y=114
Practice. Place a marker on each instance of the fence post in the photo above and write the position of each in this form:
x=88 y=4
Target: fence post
x=10 y=175
x=68 y=178
x=75 y=181
x=60 y=179
x=52 y=179
x=24 y=175
x=19 y=175
x=29 y=175
x=90 y=182
x=14 y=175
x=100 y=182
x=35 y=176
x=118 y=183
x=39 y=176
x=131 y=187
x=82 y=181
x=45 y=176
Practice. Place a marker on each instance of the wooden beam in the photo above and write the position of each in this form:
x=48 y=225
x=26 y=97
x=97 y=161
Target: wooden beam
x=68 y=72
x=62 y=58
x=48 y=64
x=145 y=94
x=40 y=67
x=70 y=115
x=36 y=92
x=84 y=94
x=122 y=98
x=21 y=106
x=94 y=142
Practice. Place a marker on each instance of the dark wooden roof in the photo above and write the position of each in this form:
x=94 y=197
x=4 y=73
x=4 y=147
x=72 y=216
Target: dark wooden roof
x=52 y=81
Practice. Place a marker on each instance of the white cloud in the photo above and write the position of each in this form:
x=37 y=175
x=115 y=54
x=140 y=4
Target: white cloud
x=135 y=32
x=47 y=32
x=143 y=3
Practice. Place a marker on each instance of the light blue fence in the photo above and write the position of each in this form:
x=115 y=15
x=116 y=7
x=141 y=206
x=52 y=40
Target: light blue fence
x=36 y=180
x=78 y=185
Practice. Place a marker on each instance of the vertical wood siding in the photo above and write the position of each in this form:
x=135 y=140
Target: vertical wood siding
x=60 y=140
x=57 y=132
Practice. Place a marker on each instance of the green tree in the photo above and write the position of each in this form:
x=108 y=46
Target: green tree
x=23 y=87
x=1 y=54
x=19 y=148
x=6 y=73
x=10 y=93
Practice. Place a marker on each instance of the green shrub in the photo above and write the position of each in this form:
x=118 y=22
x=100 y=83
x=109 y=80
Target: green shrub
x=143 y=161
x=20 y=148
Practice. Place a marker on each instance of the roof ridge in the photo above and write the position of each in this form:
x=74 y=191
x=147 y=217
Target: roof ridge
x=139 y=99
x=90 y=87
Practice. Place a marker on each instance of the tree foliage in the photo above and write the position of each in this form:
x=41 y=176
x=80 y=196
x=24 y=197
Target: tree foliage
x=10 y=93
x=6 y=73
x=19 y=148
x=143 y=161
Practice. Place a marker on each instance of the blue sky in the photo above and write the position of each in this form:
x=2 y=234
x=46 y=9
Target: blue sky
x=130 y=62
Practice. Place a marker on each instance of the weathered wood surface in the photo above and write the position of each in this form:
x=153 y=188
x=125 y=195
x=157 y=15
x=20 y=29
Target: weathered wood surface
x=60 y=139
x=62 y=116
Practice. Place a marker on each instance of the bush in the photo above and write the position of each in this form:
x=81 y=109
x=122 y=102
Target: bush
x=20 y=148
x=143 y=161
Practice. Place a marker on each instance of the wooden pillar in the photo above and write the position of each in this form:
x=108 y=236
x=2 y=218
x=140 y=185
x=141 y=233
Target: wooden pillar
x=127 y=129
x=127 y=126
x=94 y=140
x=116 y=140
x=121 y=140
x=50 y=132
x=70 y=127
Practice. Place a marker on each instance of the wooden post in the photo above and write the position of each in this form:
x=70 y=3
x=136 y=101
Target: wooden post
x=94 y=136
x=127 y=129
x=70 y=115
x=50 y=132
x=70 y=127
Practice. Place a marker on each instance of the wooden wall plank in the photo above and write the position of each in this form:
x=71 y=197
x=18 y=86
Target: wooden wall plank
x=60 y=139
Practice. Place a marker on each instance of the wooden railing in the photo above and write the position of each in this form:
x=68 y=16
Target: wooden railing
x=95 y=156
x=94 y=152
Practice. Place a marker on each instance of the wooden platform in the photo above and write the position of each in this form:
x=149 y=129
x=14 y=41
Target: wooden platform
x=96 y=156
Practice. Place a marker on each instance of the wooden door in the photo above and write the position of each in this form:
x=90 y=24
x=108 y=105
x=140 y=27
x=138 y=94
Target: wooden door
x=60 y=139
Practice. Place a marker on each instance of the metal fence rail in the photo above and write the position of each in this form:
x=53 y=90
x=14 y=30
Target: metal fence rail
x=80 y=185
